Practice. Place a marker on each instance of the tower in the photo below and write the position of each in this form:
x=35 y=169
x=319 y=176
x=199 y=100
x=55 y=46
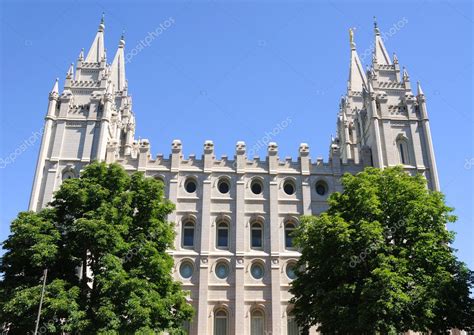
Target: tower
x=381 y=121
x=93 y=111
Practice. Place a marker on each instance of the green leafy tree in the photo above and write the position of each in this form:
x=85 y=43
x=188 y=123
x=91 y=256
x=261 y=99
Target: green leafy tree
x=104 y=241
x=379 y=260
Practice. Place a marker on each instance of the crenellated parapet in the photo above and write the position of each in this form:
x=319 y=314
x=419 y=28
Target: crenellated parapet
x=141 y=159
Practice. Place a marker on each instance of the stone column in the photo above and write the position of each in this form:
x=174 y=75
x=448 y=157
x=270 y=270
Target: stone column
x=275 y=232
x=43 y=154
x=305 y=166
x=204 y=244
x=429 y=143
x=176 y=156
x=239 y=300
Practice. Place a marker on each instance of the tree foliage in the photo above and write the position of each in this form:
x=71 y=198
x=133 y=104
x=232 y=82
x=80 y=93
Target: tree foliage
x=380 y=260
x=104 y=241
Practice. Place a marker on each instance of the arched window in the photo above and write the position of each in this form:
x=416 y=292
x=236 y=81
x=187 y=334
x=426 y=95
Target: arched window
x=256 y=235
x=291 y=325
x=220 y=322
x=223 y=235
x=188 y=234
x=257 y=323
x=68 y=174
x=289 y=229
x=402 y=144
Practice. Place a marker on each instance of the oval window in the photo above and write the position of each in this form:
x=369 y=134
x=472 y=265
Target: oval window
x=190 y=185
x=256 y=186
x=289 y=187
x=222 y=270
x=290 y=271
x=223 y=186
x=321 y=187
x=257 y=271
x=186 y=270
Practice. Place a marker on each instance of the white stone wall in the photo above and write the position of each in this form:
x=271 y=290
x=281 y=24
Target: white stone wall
x=239 y=293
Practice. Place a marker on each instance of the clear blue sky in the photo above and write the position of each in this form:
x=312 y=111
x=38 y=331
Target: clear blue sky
x=230 y=71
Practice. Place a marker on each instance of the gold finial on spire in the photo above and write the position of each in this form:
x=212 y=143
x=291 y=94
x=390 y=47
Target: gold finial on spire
x=351 y=37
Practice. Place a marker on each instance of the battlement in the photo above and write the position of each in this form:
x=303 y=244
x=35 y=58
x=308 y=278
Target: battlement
x=140 y=158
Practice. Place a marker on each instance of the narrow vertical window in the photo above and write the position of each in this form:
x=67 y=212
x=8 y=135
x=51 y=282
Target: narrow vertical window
x=256 y=235
x=289 y=229
x=220 y=323
x=403 y=151
x=222 y=235
x=292 y=326
x=188 y=234
x=257 y=326
x=402 y=154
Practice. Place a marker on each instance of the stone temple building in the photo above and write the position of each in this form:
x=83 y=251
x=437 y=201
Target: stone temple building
x=234 y=215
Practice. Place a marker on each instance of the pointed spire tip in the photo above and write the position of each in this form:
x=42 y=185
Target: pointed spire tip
x=102 y=22
x=420 y=91
x=376 y=27
x=55 y=86
x=122 y=39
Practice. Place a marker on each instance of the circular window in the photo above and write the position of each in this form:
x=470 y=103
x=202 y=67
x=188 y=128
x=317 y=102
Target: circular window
x=190 y=185
x=222 y=270
x=289 y=187
x=223 y=186
x=321 y=187
x=290 y=271
x=257 y=271
x=186 y=270
x=256 y=186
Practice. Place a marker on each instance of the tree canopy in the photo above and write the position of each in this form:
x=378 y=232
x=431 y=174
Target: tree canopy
x=380 y=260
x=104 y=241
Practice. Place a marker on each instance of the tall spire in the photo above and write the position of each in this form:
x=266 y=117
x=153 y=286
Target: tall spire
x=420 y=91
x=70 y=71
x=380 y=53
x=96 y=52
x=395 y=58
x=81 y=55
x=56 y=86
x=118 y=66
x=357 y=79
x=406 y=77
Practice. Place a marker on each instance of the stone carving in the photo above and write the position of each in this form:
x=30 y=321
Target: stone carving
x=240 y=147
x=272 y=147
x=304 y=148
x=176 y=146
x=208 y=146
